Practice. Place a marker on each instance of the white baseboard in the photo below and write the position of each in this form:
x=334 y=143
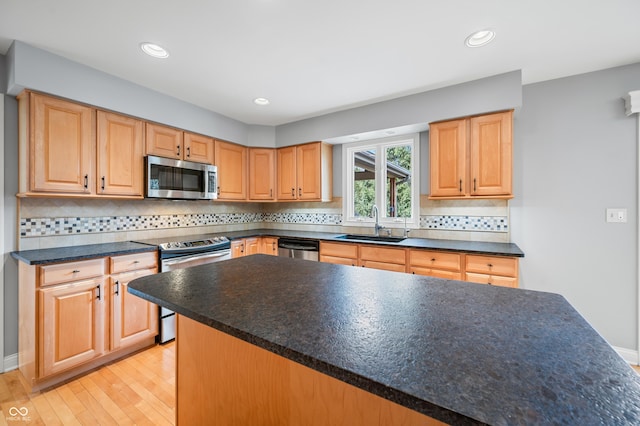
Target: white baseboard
x=628 y=355
x=10 y=362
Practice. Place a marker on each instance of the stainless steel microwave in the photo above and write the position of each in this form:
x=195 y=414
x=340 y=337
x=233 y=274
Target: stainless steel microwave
x=177 y=179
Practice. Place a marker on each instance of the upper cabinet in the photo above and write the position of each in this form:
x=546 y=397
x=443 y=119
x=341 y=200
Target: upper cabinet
x=164 y=141
x=120 y=155
x=69 y=149
x=198 y=148
x=472 y=157
x=304 y=172
x=231 y=160
x=61 y=137
x=262 y=174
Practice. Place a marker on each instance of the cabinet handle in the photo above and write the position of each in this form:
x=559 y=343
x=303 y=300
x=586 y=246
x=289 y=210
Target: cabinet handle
x=474 y=184
x=178 y=150
x=103 y=183
x=99 y=293
x=299 y=192
x=117 y=288
x=86 y=181
x=433 y=259
x=136 y=262
x=293 y=192
x=218 y=191
x=271 y=193
x=188 y=152
x=490 y=265
x=273 y=246
x=75 y=271
x=460 y=185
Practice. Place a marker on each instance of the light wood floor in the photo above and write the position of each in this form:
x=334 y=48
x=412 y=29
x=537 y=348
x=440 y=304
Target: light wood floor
x=139 y=390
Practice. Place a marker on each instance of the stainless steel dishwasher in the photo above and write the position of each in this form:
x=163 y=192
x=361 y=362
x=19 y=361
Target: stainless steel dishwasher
x=298 y=248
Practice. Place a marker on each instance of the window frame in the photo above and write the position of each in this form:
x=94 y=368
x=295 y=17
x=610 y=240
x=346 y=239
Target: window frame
x=380 y=145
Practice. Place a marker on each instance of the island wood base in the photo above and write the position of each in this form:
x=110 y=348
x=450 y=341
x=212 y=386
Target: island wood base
x=227 y=381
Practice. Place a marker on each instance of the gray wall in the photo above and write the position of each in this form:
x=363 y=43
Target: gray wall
x=10 y=224
x=39 y=70
x=575 y=155
x=495 y=93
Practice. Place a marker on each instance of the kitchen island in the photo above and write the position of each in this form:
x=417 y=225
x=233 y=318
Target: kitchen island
x=265 y=338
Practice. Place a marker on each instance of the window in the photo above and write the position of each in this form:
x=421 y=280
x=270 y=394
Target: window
x=384 y=173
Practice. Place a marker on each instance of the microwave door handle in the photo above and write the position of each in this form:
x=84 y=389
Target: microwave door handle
x=220 y=253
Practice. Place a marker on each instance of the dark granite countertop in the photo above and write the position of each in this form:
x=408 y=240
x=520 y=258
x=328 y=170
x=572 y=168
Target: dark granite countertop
x=67 y=254
x=459 y=352
x=478 y=247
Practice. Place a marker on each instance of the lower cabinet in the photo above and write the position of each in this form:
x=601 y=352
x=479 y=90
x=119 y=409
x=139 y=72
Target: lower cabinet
x=72 y=324
x=493 y=270
x=76 y=315
x=132 y=319
x=436 y=264
x=254 y=245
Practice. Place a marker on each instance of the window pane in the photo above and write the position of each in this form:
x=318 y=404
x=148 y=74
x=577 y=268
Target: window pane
x=364 y=182
x=398 y=181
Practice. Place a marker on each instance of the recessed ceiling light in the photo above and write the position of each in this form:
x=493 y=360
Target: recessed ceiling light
x=154 y=50
x=480 y=38
x=261 y=101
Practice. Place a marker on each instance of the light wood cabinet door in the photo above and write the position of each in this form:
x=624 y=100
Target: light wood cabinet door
x=339 y=253
x=286 y=173
x=491 y=158
x=269 y=245
x=120 y=155
x=132 y=318
x=252 y=246
x=198 y=148
x=262 y=174
x=62 y=143
x=448 y=159
x=309 y=174
x=231 y=160
x=71 y=325
x=237 y=248
x=163 y=141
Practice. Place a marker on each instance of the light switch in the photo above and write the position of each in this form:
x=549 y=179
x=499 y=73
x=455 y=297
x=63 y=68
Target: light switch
x=617 y=215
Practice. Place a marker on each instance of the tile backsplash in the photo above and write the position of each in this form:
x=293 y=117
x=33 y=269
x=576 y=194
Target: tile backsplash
x=49 y=222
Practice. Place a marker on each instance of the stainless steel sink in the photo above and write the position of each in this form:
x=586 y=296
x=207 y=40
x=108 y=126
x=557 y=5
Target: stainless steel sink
x=385 y=239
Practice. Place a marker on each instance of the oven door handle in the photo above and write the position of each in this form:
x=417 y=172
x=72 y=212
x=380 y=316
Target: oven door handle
x=185 y=259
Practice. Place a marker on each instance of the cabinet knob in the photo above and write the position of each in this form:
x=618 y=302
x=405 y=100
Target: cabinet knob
x=433 y=259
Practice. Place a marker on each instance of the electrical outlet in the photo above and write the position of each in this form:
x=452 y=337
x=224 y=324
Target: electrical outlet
x=617 y=215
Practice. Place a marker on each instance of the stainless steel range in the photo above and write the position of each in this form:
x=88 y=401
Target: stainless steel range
x=184 y=254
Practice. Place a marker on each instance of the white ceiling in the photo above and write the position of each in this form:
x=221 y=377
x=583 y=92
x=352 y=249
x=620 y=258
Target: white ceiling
x=314 y=57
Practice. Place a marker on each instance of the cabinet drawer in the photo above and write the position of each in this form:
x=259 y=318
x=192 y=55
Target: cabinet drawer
x=492 y=280
x=130 y=262
x=492 y=265
x=372 y=264
x=338 y=260
x=383 y=254
x=438 y=273
x=435 y=259
x=339 y=250
x=71 y=271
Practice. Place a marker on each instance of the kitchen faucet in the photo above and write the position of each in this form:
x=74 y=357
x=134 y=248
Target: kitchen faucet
x=375 y=214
